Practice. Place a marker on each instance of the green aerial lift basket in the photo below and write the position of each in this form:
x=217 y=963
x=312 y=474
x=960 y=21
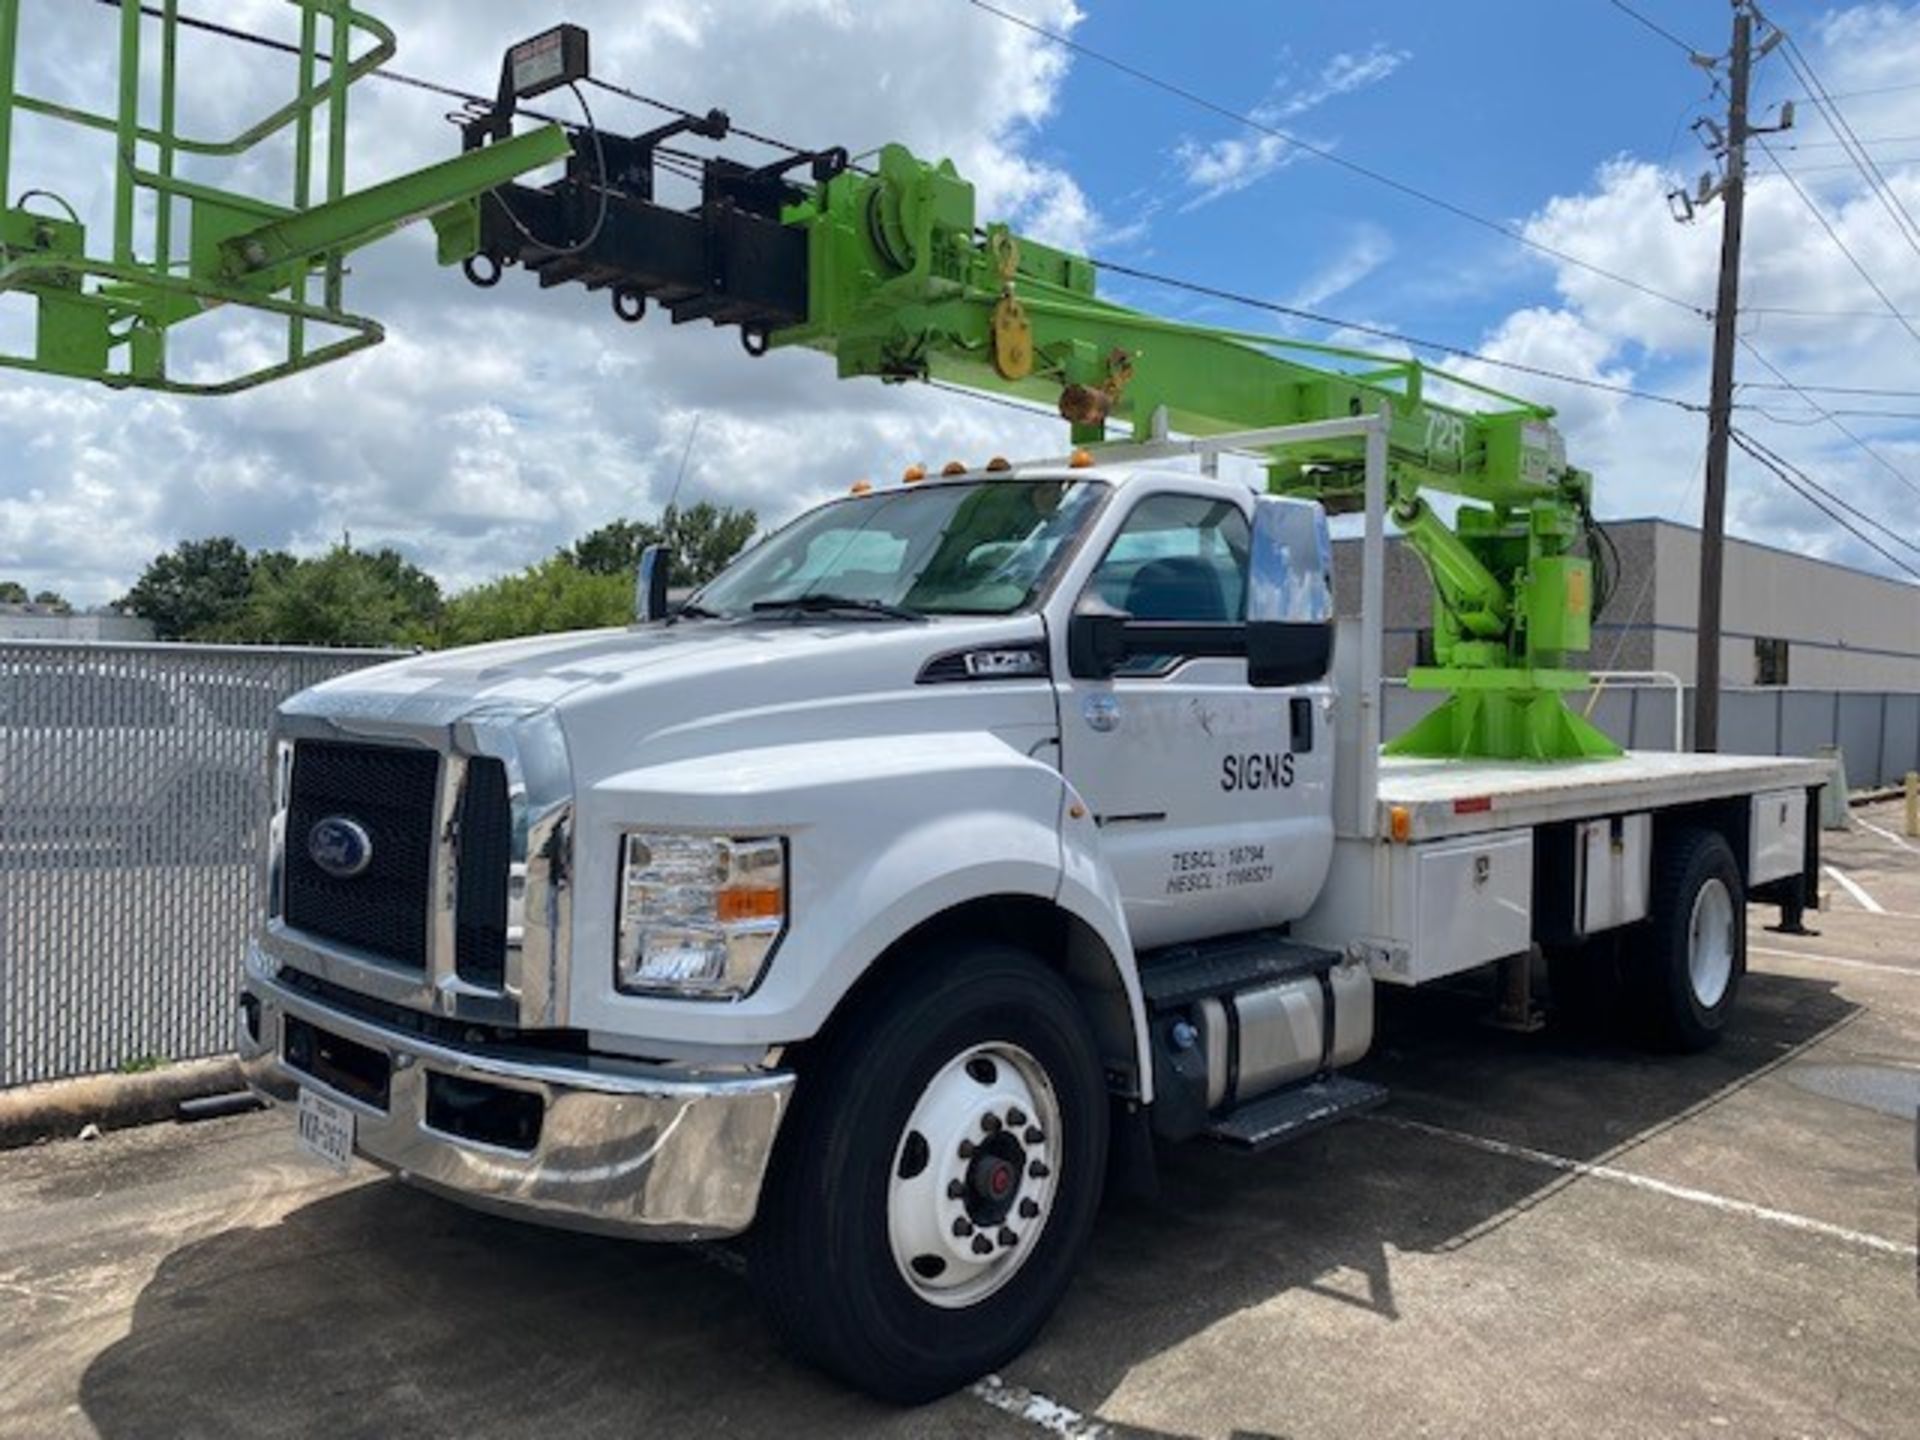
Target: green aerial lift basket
x=110 y=320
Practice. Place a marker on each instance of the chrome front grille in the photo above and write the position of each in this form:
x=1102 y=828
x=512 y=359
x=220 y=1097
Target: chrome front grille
x=465 y=908
x=390 y=794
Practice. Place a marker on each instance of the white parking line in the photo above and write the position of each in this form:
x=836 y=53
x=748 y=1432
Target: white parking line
x=1037 y=1410
x=1785 y=1218
x=1847 y=883
x=1835 y=960
x=1885 y=834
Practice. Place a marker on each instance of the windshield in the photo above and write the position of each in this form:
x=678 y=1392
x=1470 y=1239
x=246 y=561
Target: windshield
x=979 y=549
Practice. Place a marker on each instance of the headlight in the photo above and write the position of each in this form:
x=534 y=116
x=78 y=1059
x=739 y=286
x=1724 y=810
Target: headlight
x=699 y=916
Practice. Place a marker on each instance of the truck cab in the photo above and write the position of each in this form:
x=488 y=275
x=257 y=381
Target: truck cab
x=963 y=840
x=559 y=925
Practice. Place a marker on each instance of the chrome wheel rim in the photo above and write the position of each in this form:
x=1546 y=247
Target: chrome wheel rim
x=1710 y=943
x=974 y=1176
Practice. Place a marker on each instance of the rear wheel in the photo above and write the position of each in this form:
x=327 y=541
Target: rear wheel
x=1686 y=971
x=936 y=1183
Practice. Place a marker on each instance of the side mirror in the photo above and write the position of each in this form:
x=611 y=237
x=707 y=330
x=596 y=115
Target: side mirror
x=1289 y=594
x=1096 y=640
x=650 y=584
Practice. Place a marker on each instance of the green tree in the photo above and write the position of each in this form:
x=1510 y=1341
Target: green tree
x=12 y=592
x=703 y=539
x=554 y=595
x=344 y=597
x=197 y=590
x=54 y=601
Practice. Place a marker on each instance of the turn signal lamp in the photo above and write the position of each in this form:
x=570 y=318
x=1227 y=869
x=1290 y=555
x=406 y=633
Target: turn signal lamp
x=915 y=474
x=1400 y=823
x=1082 y=460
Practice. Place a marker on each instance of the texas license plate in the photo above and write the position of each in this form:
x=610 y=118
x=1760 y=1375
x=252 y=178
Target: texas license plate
x=325 y=1129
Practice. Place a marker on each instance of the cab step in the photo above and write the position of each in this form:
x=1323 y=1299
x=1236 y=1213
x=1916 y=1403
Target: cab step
x=1295 y=1111
x=1182 y=974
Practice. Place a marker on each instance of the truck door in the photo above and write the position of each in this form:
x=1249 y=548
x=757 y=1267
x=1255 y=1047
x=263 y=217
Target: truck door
x=1214 y=799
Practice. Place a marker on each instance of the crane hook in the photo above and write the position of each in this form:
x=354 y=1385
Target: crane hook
x=630 y=303
x=481 y=270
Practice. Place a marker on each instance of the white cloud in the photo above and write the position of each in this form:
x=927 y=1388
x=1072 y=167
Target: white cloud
x=1367 y=248
x=493 y=427
x=1647 y=458
x=1221 y=167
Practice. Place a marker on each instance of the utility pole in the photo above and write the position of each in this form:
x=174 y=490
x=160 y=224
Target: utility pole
x=1732 y=190
x=1726 y=314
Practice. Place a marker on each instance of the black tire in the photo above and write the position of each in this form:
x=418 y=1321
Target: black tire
x=1584 y=985
x=821 y=1255
x=1667 y=1003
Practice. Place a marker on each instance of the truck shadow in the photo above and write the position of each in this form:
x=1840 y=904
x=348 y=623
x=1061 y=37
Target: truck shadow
x=382 y=1311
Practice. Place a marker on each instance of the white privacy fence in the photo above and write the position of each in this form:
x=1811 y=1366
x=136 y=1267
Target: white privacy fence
x=132 y=790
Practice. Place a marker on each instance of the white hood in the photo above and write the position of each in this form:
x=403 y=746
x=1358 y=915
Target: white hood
x=699 y=686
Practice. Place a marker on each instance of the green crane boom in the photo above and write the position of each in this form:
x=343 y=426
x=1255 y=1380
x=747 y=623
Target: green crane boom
x=904 y=283
x=889 y=271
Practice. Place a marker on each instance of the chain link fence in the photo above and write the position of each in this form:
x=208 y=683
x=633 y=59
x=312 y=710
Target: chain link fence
x=132 y=792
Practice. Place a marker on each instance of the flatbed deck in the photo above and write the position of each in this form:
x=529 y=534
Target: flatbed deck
x=1466 y=797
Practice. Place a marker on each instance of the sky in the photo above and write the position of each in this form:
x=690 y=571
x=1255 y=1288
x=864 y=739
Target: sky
x=493 y=427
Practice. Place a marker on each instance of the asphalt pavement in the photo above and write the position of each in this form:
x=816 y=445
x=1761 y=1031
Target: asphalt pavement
x=1540 y=1235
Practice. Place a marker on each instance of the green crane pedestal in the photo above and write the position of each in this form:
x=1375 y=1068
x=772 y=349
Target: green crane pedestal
x=1503 y=715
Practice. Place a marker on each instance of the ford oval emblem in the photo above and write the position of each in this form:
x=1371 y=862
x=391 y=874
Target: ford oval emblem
x=340 y=847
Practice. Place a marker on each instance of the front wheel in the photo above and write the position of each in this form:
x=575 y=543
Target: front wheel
x=936 y=1183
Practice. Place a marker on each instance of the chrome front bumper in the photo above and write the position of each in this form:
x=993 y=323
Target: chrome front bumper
x=665 y=1154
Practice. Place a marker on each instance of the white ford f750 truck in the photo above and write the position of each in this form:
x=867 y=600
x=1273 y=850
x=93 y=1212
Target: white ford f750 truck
x=961 y=835
x=961 y=838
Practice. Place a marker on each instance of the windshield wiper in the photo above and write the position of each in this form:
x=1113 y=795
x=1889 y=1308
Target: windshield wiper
x=691 y=611
x=818 y=603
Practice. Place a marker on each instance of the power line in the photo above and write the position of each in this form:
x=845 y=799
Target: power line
x=1811 y=494
x=1834 y=235
x=685 y=114
x=1799 y=313
x=1824 y=415
x=1828 y=416
x=1880 y=525
x=1382 y=333
x=1863 y=94
x=1855 y=166
x=1832 y=389
x=1842 y=144
x=1655 y=27
x=451 y=92
x=1322 y=153
x=1876 y=181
